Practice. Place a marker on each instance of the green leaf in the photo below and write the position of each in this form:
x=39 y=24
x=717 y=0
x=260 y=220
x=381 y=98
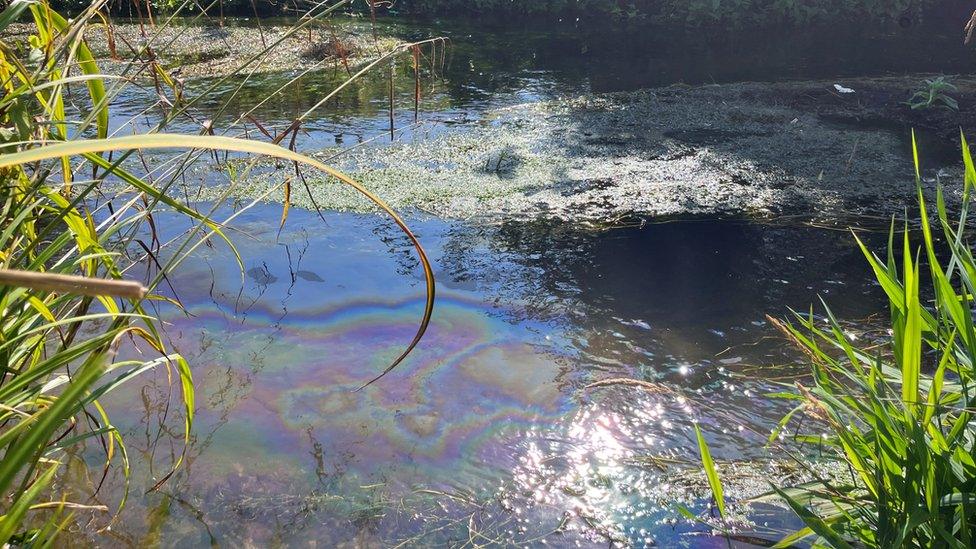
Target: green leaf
x=86 y=61
x=814 y=522
x=14 y=11
x=10 y=522
x=710 y=472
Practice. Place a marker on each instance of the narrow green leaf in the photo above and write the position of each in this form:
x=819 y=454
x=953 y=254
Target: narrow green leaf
x=710 y=472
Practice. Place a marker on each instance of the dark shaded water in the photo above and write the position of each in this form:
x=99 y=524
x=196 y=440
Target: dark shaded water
x=486 y=435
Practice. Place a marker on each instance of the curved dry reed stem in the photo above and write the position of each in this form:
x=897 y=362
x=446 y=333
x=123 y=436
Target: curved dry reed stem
x=72 y=284
x=173 y=141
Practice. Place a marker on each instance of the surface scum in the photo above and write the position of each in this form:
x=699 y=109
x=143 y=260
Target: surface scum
x=763 y=150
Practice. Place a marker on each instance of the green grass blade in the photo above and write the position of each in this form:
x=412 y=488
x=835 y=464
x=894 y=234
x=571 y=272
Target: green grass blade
x=710 y=472
x=815 y=523
x=11 y=521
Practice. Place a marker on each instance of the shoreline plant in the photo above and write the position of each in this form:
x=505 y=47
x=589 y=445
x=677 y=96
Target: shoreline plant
x=79 y=250
x=897 y=416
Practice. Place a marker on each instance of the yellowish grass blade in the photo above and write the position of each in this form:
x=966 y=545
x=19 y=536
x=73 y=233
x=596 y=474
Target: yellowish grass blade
x=173 y=141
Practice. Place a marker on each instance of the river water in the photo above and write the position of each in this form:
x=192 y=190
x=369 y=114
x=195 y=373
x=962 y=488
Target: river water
x=487 y=434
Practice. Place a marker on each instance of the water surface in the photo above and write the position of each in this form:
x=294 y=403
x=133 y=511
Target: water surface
x=488 y=425
x=487 y=433
x=488 y=67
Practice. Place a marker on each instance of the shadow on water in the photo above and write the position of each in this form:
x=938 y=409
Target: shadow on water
x=487 y=429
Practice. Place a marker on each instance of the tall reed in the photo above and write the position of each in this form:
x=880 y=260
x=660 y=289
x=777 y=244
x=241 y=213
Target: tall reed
x=76 y=215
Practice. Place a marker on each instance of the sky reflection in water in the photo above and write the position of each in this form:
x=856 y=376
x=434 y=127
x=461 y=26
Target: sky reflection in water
x=487 y=427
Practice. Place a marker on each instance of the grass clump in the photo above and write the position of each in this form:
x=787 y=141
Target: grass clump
x=898 y=416
x=63 y=323
x=935 y=93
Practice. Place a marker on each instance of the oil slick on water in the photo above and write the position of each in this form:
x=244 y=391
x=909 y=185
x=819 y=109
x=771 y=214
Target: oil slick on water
x=487 y=426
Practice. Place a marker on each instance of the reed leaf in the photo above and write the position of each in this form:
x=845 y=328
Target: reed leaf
x=911 y=457
x=711 y=473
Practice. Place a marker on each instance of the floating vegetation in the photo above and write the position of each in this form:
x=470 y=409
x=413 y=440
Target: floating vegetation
x=655 y=153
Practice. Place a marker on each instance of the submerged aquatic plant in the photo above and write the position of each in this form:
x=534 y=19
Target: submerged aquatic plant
x=77 y=219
